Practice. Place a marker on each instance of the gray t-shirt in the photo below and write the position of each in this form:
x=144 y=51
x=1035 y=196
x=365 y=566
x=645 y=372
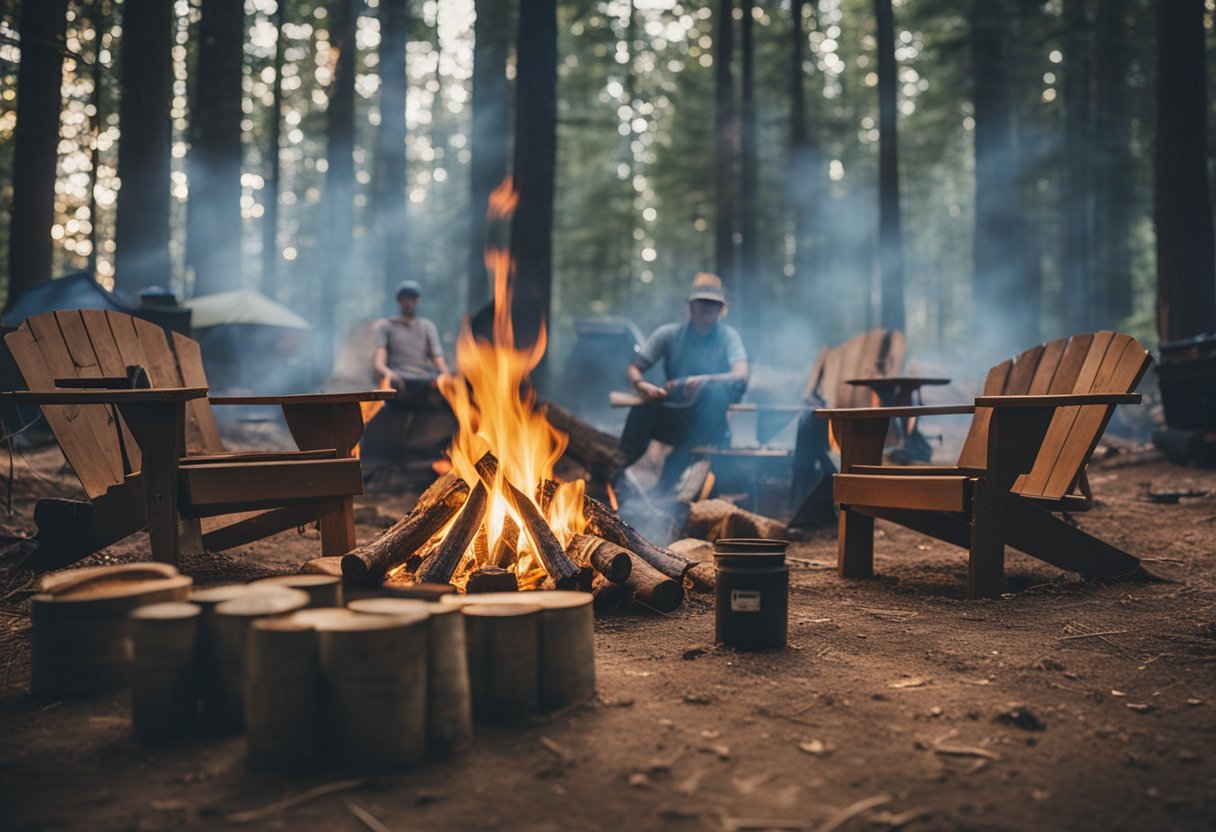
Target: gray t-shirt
x=685 y=353
x=411 y=346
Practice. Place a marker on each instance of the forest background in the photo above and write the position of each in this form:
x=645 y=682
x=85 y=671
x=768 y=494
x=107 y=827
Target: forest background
x=1023 y=185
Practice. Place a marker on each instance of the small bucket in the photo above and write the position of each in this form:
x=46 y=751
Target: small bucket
x=752 y=605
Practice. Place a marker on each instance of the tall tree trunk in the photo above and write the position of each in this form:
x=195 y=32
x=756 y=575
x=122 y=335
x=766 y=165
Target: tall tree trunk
x=42 y=27
x=1115 y=186
x=1186 y=248
x=340 y=173
x=535 y=157
x=489 y=135
x=1000 y=289
x=270 y=217
x=807 y=183
x=890 y=235
x=141 y=230
x=1080 y=295
x=751 y=287
x=726 y=142
x=213 y=218
x=1026 y=71
x=391 y=202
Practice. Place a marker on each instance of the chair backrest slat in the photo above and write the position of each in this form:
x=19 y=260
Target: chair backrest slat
x=87 y=434
x=202 y=433
x=1102 y=362
x=872 y=354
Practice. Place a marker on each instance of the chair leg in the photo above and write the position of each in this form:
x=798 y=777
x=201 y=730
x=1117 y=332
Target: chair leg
x=338 y=530
x=855 y=545
x=986 y=567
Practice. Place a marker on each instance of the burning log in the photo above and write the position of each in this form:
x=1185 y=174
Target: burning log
x=652 y=588
x=562 y=570
x=506 y=549
x=605 y=523
x=438 y=504
x=438 y=568
x=491 y=579
x=609 y=559
x=481 y=545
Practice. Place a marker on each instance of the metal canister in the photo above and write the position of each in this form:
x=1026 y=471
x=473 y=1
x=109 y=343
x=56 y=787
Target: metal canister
x=753 y=585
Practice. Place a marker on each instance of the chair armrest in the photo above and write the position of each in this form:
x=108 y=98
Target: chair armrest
x=758 y=407
x=616 y=398
x=894 y=412
x=310 y=398
x=1058 y=400
x=159 y=394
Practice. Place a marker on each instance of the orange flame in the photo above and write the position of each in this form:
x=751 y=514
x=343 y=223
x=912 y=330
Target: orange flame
x=494 y=405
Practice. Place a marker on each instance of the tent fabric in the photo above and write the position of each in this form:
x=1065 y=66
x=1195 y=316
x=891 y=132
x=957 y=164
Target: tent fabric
x=73 y=291
x=243 y=306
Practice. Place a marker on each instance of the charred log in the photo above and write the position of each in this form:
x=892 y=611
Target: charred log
x=438 y=504
x=608 y=559
x=491 y=579
x=439 y=568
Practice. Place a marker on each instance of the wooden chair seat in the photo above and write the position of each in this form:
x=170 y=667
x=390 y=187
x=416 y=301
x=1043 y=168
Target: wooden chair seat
x=1032 y=434
x=128 y=405
x=934 y=493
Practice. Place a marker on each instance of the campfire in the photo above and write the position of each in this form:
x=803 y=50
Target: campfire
x=498 y=520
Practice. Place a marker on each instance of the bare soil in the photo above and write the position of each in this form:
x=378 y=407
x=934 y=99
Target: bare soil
x=1064 y=705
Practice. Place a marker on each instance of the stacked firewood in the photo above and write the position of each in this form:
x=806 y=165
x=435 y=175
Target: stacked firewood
x=430 y=545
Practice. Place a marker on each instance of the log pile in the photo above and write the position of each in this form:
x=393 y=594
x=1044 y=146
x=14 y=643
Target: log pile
x=445 y=539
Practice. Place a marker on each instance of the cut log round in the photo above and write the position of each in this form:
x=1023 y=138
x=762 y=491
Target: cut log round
x=323 y=590
x=716 y=519
x=81 y=639
x=283 y=714
x=369 y=563
x=504 y=660
x=227 y=626
x=566 y=654
x=608 y=559
x=449 y=701
x=164 y=670
x=375 y=671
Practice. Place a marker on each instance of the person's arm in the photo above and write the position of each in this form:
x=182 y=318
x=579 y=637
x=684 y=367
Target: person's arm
x=738 y=374
x=651 y=392
x=380 y=370
x=436 y=350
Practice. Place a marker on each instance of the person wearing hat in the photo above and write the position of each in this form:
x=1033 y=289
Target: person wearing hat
x=407 y=349
x=706 y=369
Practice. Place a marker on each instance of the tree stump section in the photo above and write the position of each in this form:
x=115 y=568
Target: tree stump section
x=504 y=660
x=374 y=667
x=322 y=590
x=164 y=670
x=227 y=627
x=449 y=715
x=283 y=711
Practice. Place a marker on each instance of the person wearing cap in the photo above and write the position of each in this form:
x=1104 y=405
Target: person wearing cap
x=706 y=369
x=408 y=353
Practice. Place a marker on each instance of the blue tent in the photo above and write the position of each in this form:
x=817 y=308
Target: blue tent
x=73 y=291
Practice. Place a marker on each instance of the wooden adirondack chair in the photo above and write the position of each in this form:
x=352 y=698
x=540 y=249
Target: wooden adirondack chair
x=873 y=354
x=153 y=458
x=1032 y=434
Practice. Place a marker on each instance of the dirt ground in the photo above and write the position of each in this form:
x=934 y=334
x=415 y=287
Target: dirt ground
x=1064 y=705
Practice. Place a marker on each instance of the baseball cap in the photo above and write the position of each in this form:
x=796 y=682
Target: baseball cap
x=409 y=287
x=707 y=286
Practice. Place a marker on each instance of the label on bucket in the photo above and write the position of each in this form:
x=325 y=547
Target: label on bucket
x=745 y=600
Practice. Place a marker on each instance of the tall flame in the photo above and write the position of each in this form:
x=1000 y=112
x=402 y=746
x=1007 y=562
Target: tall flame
x=494 y=405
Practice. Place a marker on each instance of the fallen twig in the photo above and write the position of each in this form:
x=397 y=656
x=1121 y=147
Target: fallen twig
x=1094 y=635
x=254 y=815
x=365 y=817
x=964 y=751
x=849 y=812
